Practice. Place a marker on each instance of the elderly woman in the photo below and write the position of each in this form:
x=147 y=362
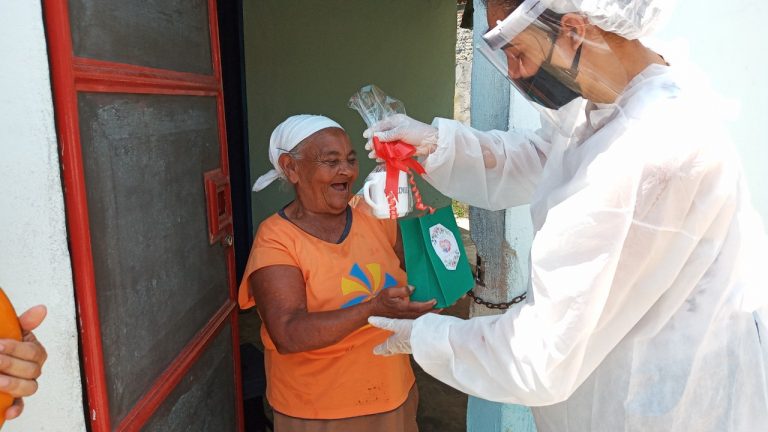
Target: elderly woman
x=317 y=270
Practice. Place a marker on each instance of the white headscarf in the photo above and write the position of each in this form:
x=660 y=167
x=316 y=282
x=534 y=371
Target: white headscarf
x=631 y=19
x=288 y=135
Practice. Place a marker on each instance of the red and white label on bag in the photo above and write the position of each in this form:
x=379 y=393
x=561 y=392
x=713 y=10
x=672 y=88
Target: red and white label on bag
x=445 y=245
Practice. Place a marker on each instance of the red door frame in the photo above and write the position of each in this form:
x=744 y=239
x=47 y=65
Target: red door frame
x=71 y=75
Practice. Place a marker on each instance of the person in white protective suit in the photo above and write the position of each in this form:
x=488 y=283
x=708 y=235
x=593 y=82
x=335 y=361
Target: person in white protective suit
x=647 y=295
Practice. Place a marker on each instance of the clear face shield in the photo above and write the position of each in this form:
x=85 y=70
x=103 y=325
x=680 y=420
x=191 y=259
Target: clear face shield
x=541 y=56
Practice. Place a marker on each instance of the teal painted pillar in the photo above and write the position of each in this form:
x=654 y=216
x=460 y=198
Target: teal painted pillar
x=493 y=416
x=491 y=110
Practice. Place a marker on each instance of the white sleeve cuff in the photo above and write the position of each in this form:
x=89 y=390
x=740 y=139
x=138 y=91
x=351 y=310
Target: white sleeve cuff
x=430 y=343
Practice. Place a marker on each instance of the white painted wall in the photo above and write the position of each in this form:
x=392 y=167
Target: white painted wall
x=724 y=39
x=34 y=259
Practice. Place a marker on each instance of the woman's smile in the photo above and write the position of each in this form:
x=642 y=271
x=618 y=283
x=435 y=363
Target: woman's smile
x=341 y=187
x=325 y=171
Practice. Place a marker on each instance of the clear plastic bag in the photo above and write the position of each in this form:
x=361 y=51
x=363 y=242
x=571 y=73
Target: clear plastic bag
x=374 y=105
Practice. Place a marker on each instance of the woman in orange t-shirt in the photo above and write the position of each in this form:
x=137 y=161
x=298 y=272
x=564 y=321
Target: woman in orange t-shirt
x=317 y=270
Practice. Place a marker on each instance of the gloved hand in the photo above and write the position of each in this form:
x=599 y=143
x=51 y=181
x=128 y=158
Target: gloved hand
x=401 y=127
x=399 y=342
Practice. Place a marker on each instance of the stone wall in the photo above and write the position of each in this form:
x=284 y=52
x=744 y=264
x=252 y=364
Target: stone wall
x=461 y=98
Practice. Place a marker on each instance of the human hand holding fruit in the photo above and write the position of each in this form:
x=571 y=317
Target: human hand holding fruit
x=21 y=356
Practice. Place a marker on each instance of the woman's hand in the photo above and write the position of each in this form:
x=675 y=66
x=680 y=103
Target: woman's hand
x=396 y=303
x=21 y=362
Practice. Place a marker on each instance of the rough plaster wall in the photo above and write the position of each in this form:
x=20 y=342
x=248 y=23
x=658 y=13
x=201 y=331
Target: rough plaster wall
x=464 y=55
x=34 y=259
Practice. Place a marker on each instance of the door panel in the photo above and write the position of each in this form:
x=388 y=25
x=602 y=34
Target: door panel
x=162 y=34
x=189 y=408
x=143 y=157
x=140 y=119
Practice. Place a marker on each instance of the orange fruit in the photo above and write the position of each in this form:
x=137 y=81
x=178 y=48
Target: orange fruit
x=9 y=329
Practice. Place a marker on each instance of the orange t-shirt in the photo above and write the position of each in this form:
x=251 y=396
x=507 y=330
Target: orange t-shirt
x=344 y=379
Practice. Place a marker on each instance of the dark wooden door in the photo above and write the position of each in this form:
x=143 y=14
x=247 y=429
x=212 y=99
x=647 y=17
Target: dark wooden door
x=140 y=119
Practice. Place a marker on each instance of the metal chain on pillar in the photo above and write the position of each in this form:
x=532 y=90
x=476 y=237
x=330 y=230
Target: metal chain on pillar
x=490 y=305
x=480 y=280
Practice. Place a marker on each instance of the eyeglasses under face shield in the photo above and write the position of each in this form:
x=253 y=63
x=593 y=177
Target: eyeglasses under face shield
x=540 y=55
x=523 y=47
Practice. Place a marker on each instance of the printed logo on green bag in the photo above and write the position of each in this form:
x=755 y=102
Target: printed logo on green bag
x=445 y=245
x=365 y=286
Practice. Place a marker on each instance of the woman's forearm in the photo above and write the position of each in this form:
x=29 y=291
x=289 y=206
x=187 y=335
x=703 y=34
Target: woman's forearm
x=306 y=331
x=283 y=308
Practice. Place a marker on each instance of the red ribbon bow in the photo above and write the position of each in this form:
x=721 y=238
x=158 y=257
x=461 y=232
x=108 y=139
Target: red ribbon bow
x=398 y=156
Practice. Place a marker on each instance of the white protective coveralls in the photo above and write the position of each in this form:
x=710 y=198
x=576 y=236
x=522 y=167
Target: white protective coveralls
x=645 y=295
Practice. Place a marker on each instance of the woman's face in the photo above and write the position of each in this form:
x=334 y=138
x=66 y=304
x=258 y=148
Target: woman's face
x=326 y=169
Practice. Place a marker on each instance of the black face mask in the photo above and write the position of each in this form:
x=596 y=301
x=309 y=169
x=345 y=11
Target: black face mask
x=548 y=91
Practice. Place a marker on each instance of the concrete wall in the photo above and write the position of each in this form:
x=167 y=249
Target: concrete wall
x=34 y=260
x=311 y=56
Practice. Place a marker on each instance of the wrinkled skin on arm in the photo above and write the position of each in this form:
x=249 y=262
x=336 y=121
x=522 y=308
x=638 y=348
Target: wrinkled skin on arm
x=281 y=299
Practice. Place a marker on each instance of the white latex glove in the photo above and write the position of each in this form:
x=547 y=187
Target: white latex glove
x=401 y=127
x=399 y=342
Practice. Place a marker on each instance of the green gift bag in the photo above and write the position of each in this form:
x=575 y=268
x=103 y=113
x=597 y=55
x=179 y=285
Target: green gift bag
x=435 y=259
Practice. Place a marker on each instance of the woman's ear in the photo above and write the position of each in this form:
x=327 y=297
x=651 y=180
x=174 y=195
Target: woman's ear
x=290 y=167
x=574 y=29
